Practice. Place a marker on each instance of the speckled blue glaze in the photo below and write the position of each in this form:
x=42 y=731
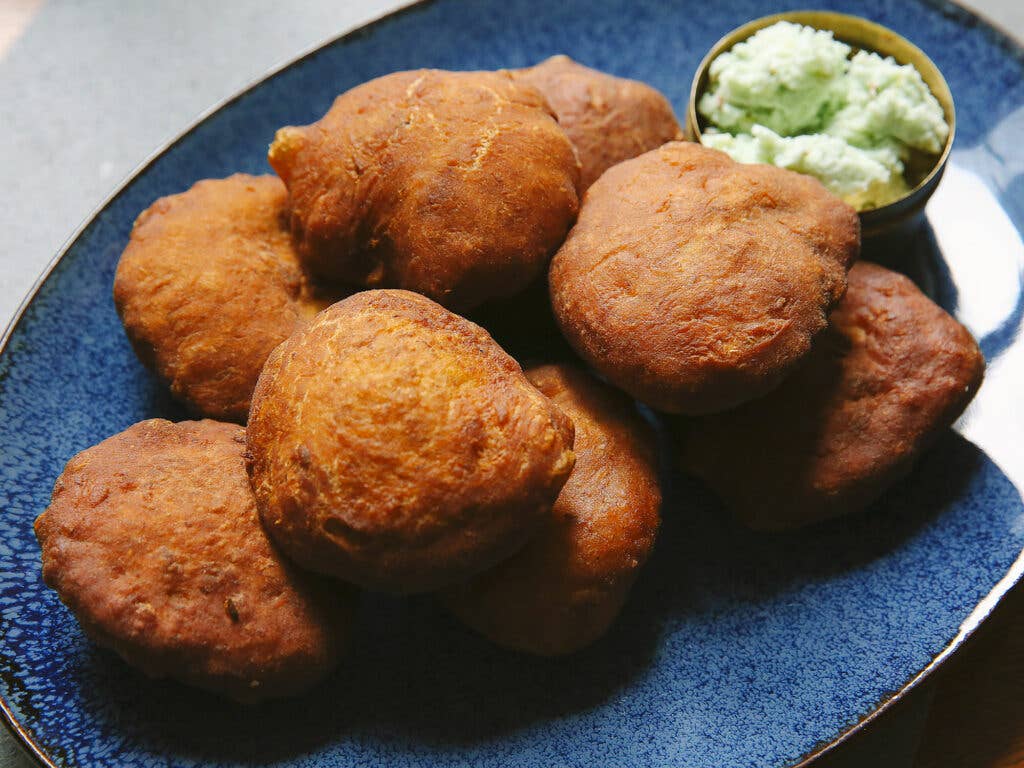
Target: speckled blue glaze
x=735 y=650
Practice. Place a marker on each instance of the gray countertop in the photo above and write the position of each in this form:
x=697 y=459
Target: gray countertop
x=89 y=89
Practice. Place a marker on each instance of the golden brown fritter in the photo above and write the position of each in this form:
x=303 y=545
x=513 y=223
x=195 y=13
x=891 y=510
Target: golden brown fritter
x=208 y=285
x=395 y=445
x=694 y=282
x=153 y=541
x=889 y=375
x=562 y=591
x=456 y=185
x=608 y=119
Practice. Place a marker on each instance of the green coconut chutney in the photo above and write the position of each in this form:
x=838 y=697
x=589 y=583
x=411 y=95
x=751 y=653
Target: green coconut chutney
x=793 y=96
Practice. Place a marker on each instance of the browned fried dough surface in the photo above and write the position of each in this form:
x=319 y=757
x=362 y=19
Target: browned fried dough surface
x=562 y=590
x=457 y=185
x=608 y=119
x=153 y=541
x=694 y=282
x=208 y=285
x=395 y=445
x=892 y=371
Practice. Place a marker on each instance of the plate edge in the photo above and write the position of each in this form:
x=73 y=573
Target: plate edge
x=967 y=629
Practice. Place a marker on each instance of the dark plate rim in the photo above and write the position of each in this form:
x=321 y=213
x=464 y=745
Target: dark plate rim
x=1003 y=37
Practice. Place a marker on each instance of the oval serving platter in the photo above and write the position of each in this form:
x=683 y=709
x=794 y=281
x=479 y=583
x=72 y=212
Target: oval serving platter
x=736 y=649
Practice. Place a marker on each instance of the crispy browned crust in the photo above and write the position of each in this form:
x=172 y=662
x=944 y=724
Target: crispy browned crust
x=153 y=541
x=608 y=119
x=562 y=590
x=457 y=185
x=208 y=285
x=395 y=445
x=694 y=282
x=889 y=375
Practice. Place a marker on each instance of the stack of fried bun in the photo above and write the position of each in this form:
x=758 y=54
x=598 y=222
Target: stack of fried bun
x=391 y=444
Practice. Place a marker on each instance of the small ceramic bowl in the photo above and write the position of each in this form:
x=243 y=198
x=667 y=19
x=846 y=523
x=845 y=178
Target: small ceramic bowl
x=865 y=35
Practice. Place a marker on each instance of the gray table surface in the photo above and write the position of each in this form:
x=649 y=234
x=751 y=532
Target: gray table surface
x=89 y=89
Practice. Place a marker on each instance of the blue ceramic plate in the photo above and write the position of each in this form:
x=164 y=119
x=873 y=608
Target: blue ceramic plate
x=735 y=650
